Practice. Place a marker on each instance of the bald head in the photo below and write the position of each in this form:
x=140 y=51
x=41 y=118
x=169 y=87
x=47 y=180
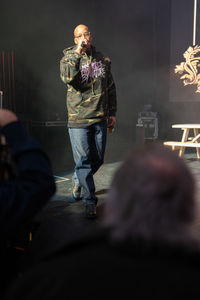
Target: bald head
x=80 y=29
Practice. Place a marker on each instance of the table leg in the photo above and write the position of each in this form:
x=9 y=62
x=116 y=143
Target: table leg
x=196 y=132
x=184 y=139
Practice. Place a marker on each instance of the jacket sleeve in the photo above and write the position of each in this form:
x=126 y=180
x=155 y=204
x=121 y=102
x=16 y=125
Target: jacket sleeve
x=112 y=97
x=69 y=67
x=22 y=197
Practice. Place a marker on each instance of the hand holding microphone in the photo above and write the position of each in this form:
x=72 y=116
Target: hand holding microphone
x=81 y=46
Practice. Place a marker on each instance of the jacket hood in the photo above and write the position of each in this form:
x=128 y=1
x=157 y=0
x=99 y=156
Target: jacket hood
x=68 y=49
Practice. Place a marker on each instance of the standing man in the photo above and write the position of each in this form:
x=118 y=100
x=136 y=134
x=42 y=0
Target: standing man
x=91 y=105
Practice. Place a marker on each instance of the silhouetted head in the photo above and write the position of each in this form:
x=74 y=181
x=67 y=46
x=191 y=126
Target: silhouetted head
x=151 y=197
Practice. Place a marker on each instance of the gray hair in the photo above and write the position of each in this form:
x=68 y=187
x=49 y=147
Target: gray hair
x=151 y=197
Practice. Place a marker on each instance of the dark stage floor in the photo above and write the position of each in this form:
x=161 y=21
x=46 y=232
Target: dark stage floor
x=60 y=221
x=59 y=206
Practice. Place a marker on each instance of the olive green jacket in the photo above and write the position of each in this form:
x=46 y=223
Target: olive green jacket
x=91 y=92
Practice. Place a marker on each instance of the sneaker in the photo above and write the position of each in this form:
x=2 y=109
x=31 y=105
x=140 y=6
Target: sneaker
x=76 y=193
x=90 y=211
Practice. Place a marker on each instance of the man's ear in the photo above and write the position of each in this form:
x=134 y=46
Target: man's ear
x=76 y=41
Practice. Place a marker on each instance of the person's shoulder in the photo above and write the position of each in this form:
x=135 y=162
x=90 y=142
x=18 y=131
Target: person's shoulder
x=102 y=56
x=107 y=59
x=69 y=50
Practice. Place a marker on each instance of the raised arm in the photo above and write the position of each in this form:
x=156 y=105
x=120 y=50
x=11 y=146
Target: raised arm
x=69 y=67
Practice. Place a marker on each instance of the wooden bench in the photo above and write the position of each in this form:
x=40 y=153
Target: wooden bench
x=186 y=141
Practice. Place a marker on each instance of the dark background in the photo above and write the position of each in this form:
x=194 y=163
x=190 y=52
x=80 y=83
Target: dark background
x=136 y=35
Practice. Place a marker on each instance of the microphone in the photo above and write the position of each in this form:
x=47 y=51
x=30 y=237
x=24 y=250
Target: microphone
x=83 y=45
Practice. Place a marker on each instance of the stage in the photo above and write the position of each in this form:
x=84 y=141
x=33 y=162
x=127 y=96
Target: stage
x=59 y=205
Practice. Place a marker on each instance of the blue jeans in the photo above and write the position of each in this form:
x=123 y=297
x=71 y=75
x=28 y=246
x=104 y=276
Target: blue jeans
x=88 y=147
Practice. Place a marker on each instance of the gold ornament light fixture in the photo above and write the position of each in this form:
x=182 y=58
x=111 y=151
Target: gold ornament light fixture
x=192 y=60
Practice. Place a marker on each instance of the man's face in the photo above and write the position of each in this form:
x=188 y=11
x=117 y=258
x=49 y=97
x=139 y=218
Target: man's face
x=82 y=35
